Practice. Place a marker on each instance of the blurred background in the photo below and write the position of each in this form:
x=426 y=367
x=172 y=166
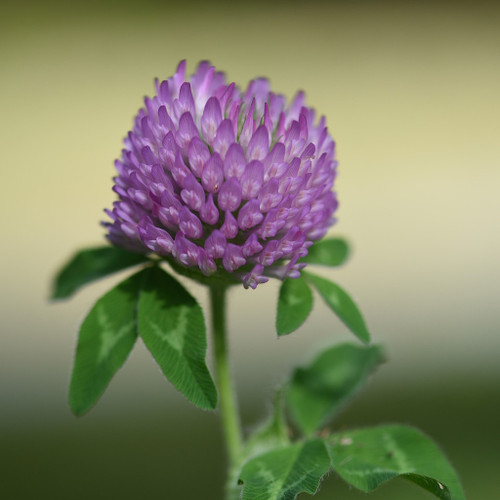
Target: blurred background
x=411 y=95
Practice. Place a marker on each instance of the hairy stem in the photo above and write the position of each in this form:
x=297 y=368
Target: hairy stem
x=227 y=397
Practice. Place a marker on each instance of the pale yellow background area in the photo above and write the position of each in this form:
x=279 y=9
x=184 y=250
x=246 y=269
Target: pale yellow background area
x=411 y=95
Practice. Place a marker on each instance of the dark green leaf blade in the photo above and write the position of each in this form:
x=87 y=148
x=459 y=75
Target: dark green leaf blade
x=341 y=304
x=172 y=326
x=366 y=458
x=283 y=473
x=106 y=338
x=330 y=252
x=317 y=392
x=90 y=265
x=295 y=302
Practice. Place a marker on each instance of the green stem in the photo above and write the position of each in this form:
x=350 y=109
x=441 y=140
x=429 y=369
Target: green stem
x=228 y=405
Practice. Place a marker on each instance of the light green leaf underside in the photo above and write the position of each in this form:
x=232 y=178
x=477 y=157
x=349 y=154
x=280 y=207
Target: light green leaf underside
x=341 y=304
x=106 y=338
x=295 y=302
x=327 y=252
x=317 y=392
x=90 y=265
x=366 y=458
x=284 y=473
x=171 y=324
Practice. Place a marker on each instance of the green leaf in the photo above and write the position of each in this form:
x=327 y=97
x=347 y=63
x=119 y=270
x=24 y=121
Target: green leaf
x=172 y=326
x=90 y=265
x=328 y=252
x=317 y=392
x=366 y=458
x=106 y=338
x=295 y=302
x=284 y=473
x=341 y=304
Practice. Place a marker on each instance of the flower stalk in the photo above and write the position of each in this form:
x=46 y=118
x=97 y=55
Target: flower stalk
x=228 y=404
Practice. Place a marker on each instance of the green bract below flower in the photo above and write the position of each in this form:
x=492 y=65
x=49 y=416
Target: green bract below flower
x=223 y=181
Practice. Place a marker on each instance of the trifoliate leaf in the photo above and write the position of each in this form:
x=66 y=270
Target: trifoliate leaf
x=283 y=473
x=172 y=326
x=341 y=304
x=295 y=302
x=90 y=265
x=330 y=252
x=318 y=391
x=106 y=338
x=366 y=458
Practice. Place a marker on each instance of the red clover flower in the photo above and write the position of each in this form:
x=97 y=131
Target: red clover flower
x=232 y=183
x=234 y=187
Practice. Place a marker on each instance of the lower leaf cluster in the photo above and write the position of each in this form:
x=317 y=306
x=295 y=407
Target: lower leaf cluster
x=275 y=467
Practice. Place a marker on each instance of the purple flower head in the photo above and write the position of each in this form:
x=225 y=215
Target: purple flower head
x=230 y=183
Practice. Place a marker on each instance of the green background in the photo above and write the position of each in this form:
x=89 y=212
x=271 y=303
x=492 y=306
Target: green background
x=410 y=91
